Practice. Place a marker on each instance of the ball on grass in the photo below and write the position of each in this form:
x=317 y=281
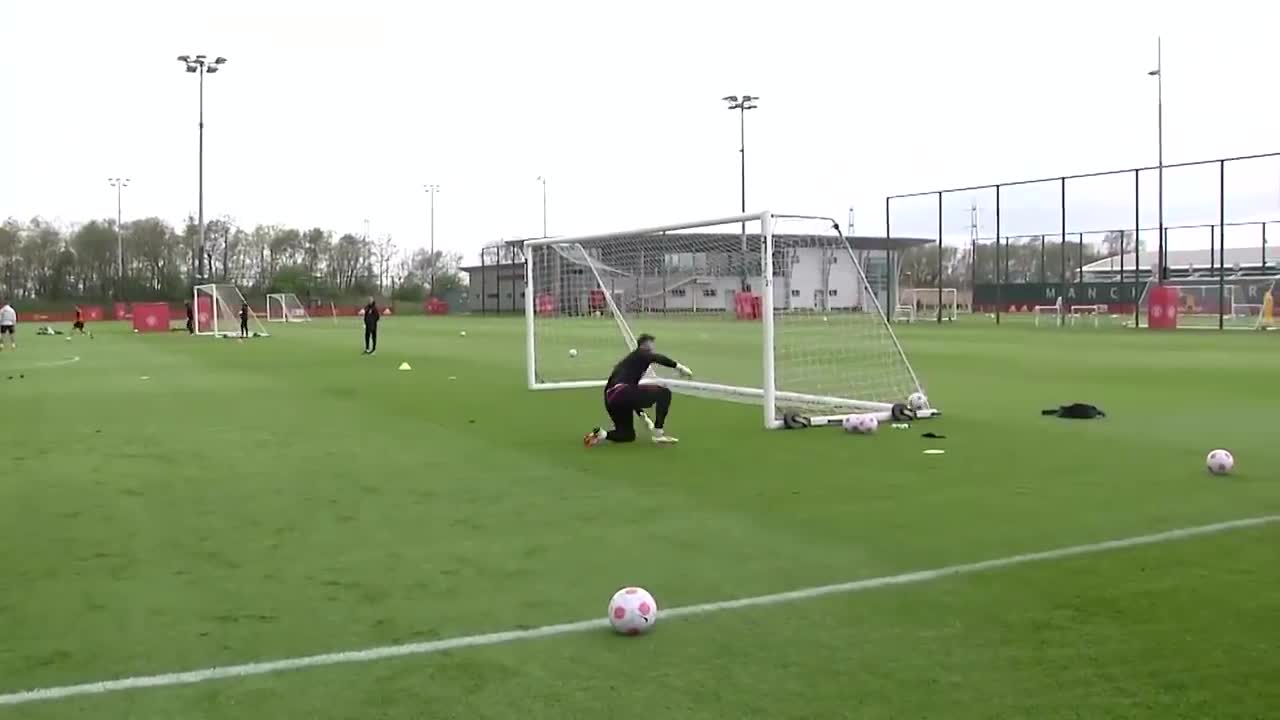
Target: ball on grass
x=917 y=401
x=1220 y=462
x=860 y=424
x=632 y=611
x=463 y=333
x=573 y=352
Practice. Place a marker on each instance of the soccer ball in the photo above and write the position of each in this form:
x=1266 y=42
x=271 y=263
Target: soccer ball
x=917 y=401
x=860 y=424
x=573 y=352
x=632 y=611
x=463 y=333
x=1220 y=462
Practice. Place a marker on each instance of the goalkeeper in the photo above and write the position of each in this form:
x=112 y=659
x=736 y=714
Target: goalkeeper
x=625 y=397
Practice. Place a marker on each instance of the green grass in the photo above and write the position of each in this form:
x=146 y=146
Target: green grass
x=287 y=496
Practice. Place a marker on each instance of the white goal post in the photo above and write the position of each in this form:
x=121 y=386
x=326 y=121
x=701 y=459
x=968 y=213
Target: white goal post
x=285 y=307
x=769 y=309
x=924 y=303
x=216 y=310
x=1054 y=311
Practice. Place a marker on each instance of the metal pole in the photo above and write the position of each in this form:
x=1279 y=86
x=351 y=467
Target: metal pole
x=200 y=182
x=1063 y=278
x=939 y=258
x=889 y=271
x=1222 y=242
x=1164 y=252
x=544 y=207
x=1137 y=245
x=742 y=157
x=999 y=290
x=434 y=262
x=1080 y=259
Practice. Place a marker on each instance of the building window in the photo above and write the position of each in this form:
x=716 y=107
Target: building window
x=795 y=293
x=492 y=296
x=708 y=292
x=834 y=258
x=833 y=292
x=678 y=292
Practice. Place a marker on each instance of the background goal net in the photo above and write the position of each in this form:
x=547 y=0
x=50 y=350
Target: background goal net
x=1241 y=301
x=285 y=307
x=765 y=309
x=217 y=311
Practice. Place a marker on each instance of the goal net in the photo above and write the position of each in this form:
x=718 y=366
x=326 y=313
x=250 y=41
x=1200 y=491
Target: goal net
x=217 y=311
x=765 y=309
x=285 y=307
x=925 y=303
x=1241 y=302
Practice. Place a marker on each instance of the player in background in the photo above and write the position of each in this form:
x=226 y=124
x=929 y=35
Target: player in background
x=79 y=323
x=8 y=324
x=191 y=319
x=625 y=397
x=244 y=319
x=371 y=318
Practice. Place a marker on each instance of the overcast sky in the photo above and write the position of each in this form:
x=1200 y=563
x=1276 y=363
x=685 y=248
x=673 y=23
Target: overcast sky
x=329 y=113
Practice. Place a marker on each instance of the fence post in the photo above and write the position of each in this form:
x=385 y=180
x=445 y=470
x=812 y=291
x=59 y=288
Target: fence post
x=1063 y=279
x=939 y=258
x=995 y=262
x=483 y=272
x=1137 y=247
x=1222 y=241
x=890 y=274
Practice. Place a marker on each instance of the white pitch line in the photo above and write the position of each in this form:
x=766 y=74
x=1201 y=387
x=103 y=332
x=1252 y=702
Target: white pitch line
x=424 y=648
x=37 y=366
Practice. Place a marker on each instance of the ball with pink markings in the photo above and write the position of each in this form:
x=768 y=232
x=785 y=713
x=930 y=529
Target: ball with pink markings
x=632 y=611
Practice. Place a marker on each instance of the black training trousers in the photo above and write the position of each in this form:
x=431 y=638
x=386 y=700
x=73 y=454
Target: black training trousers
x=623 y=402
x=370 y=338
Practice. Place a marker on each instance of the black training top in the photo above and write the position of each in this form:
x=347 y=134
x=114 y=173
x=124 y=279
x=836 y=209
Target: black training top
x=244 y=312
x=631 y=368
x=371 y=316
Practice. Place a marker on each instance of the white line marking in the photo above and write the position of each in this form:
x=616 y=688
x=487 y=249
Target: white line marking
x=423 y=648
x=37 y=366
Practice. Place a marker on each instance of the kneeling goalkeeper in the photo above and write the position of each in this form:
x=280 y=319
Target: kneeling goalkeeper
x=625 y=397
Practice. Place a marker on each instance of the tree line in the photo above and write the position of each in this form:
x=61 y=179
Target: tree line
x=42 y=261
x=1041 y=258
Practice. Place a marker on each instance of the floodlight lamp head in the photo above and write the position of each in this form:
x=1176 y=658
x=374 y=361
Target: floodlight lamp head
x=192 y=68
x=730 y=98
x=201 y=57
x=211 y=68
x=219 y=60
x=184 y=58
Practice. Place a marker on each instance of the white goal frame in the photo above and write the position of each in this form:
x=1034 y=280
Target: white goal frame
x=1056 y=308
x=907 y=304
x=284 y=316
x=767 y=393
x=214 y=329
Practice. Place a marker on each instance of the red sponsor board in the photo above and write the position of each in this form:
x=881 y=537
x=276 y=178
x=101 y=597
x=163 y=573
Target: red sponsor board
x=1162 y=309
x=92 y=313
x=150 y=317
x=747 y=305
x=121 y=311
x=436 y=306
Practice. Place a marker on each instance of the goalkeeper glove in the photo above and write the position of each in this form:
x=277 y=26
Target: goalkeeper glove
x=683 y=370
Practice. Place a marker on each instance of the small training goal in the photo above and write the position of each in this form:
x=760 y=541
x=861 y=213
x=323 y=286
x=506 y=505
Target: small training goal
x=927 y=304
x=285 y=307
x=768 y=309
x=216 y=310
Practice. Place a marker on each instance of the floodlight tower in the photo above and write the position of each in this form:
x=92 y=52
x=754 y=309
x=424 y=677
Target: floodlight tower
x=200 y=64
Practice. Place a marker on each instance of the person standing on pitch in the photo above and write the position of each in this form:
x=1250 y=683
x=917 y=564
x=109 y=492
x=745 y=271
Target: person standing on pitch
x=244 y=319
x=371 y=318
x=8 y=324
x=191 y=319
x=625 y=397
x=79 y=323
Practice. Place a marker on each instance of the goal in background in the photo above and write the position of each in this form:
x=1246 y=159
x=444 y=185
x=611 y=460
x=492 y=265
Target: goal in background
x=924 y=303
x=1242 y=301
x=285 y=307
x=217 y=311
x=764 y=308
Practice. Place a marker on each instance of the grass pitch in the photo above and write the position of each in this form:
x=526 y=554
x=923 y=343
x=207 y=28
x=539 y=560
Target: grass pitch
x=287 y=496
